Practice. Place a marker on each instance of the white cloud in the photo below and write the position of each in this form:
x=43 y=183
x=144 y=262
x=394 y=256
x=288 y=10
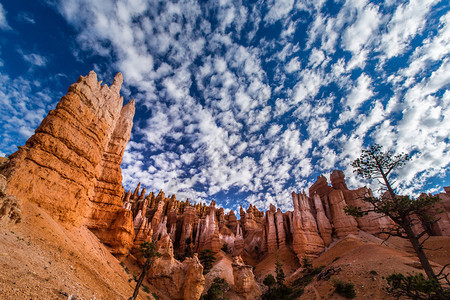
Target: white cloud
x=359 y=94
x=316 y=57
x=34 y=59
x=293 y=65
x=360 y=32
x=3 y=22
x=24 y=108
x=407 y=21
x=278 y=10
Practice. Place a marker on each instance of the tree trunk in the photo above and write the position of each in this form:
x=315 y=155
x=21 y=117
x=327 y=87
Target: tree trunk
x=388 y=185
x=420 y=253
x=139 y=282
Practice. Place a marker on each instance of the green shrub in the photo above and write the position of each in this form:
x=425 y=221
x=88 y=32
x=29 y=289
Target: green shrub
x=207 y=259
x=306 y=264
x=269 y=281
x=226 y=248
x=415 y=286
x=217 y=290
x=345 y=289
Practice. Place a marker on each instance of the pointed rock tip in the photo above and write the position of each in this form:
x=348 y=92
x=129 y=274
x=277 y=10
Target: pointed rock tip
x=117 y=83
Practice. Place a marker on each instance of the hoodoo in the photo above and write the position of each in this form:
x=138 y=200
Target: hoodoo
x=71 y=165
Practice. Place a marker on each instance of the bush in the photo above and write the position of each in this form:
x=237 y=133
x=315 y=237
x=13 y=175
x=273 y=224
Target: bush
x=207 y=259
x=226 y=248
x=269 y=281
x=306 y=264
x=277 y=288
x=415 y=286
x=345 y=289
x=281 y=293
x=217 y=290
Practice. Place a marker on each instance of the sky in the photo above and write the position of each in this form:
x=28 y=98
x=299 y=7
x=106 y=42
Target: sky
x=242 y=102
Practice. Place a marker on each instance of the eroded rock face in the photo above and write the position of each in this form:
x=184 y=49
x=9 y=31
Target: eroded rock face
x=171 y=279
x=194 y=280
x=244 y=280
x=372 y=223
x=111 y=223
x=323 y=223
x=307 y=241
x=10 y=206
x=442 y=227
x=342 y=223
x=71 y=165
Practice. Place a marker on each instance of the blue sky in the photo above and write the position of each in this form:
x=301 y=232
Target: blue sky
x=242 y=101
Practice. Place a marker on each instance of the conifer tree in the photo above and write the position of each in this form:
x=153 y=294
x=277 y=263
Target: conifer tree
x=406 y=212
x=148 y=252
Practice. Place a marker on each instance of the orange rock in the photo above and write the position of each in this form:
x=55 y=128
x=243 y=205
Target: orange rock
x=271 y=230
x=343 y=224
x=244 y=280
x=71 y=165
x=171 y=279
x=442 y=226
x=314 y=243
x=10 y=206
x=323 y=223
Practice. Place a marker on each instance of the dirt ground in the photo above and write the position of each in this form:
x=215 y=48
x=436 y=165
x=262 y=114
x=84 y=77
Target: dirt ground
x=363 y=261
x=40 y=259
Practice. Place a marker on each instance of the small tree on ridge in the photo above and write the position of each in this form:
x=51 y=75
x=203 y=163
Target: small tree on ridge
x=149 y=253
x=406 y=212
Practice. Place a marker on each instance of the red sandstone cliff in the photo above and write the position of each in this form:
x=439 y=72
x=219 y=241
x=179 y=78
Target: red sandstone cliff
x=71 y=165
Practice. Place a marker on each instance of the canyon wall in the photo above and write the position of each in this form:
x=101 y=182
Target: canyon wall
x=71 y=165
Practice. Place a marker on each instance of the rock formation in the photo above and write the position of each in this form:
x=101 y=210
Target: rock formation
x=10 y=206
x=244 y=280
x=342 y=223
x=316 y=220
x=442 y=227
x=372 y=223
x=71 y=165
x=323 y=223
x=170 y=279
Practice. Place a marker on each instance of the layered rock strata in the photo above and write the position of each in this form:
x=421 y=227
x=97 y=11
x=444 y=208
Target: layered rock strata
x=71 y=165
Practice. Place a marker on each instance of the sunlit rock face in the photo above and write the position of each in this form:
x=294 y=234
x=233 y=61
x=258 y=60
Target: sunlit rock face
x=244 y=280
x=171 y=279
x=10 y=206
x=442 y=226
x=71 y=165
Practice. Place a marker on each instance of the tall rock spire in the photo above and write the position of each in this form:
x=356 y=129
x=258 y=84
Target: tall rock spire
x=71 y=165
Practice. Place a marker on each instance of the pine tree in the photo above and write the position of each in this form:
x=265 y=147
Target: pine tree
x=279 y=271
x=406 y=212
x=148 y=252
x=207 y=259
